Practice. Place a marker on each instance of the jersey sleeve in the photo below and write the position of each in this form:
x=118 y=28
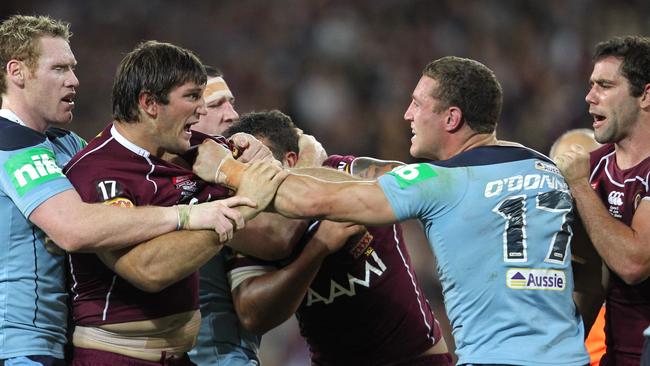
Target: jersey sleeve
x=98 y=182
x=30 y=176
x=240 y=267
x=339 y=162
x=419 y=190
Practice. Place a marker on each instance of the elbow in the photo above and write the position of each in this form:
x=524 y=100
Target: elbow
x=148 y=286
x=253 y=324
x=73 y=242
x=147 y=281
x=634 y=273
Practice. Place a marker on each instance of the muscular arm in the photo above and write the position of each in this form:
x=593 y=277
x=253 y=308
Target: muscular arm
x=158 y=263
x=264 y=302
x=302 y=196
x=371 y=168
x=75 y=225
x=625 y=249
x=363 y=202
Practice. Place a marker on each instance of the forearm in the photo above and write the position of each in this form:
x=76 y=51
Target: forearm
x=618 y=244
x=302 y=196
x=158 y=263
x=327 y=174
x=264 y=302
x=78 y=226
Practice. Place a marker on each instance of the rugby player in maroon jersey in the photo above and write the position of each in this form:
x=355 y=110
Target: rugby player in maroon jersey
x=139 y=306
x=353 y=289
x=610 y=187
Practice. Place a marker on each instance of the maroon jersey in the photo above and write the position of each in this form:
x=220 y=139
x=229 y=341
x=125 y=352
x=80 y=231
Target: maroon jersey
x=628 y=306
x=113 y=170
x=365 y=306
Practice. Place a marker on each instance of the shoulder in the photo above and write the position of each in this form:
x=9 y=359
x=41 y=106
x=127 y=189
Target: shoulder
x=492 y=154
x=14 y=136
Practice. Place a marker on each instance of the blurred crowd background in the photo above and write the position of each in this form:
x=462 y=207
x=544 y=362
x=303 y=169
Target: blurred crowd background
x=345 y=70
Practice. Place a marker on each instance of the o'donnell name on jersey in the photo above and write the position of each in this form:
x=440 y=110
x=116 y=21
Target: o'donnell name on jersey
x=535 y=279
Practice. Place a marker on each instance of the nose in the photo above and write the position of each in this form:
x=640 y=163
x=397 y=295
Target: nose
x=408 y=115
x=590 y=98
x=230 y=113
x=202 y=109
x=72 y=80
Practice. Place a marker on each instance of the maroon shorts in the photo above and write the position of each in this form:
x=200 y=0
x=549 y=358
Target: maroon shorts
x=91 y=357
x=443 y=359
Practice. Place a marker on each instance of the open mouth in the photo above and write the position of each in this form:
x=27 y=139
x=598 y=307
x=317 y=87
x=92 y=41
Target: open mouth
x=188 y=126
x=598 y=118
x=69 y=99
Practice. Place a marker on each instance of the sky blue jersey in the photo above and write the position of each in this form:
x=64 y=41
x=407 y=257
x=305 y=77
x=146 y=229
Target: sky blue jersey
x=498 y=220
x=33 y=300
x=222 y=339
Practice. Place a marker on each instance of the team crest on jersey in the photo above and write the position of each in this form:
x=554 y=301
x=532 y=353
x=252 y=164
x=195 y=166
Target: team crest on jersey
x=535 y=279
x=186 y=185
x=120 y=202
x=359 y=247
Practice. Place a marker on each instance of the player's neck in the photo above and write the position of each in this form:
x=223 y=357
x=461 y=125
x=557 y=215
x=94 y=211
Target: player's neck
x=27 y=117
x=138 y=133
x=633 y=149
x=476 y=140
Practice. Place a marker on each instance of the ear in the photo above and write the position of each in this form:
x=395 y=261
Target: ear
x=290 y=159
x=148 y=104
x=16 y=72
x=454 y=119
x=645 y=97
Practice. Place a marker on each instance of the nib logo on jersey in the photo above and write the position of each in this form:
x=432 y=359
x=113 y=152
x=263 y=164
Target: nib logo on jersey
x=32 y=168
x=535 y=279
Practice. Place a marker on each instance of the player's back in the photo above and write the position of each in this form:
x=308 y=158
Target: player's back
x=498 y=220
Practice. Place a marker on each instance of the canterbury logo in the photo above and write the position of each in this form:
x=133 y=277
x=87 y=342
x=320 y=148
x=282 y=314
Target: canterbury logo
x=615 y=198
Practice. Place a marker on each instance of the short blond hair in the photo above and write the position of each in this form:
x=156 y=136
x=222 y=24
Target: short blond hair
x=579 y=136
x=19 y=35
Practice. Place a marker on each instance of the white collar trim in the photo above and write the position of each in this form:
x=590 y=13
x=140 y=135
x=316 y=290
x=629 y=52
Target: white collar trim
x=128 y=144
x=10 y=115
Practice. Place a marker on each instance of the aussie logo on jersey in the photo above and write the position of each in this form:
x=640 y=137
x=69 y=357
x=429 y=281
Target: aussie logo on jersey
x=407 y=175
x=535 y=279
x=32 y=168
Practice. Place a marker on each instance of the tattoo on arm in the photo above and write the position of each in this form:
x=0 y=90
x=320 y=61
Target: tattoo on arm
x=371 y=168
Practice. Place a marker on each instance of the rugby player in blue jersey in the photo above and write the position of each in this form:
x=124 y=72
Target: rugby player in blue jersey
x=38 y=204
x=497 y=215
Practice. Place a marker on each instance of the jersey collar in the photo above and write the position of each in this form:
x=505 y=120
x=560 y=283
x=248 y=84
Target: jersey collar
x=10 y=115
x=128 y=144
